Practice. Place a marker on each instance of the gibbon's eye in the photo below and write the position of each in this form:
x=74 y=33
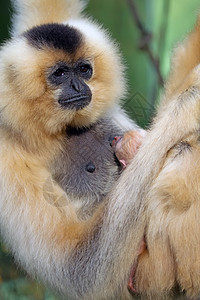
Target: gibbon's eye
x=90 y=167
x=85 y=70
x=60 y=72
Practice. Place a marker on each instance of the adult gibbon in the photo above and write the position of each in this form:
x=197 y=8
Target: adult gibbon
x=61 y=81
x=156 y=197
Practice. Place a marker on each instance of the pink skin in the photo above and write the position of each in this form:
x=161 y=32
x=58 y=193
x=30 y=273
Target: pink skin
x=130 y=285
x=126 y=146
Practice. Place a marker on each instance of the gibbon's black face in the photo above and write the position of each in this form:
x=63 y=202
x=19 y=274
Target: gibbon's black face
x=68 y=77
x=75 y=93
x=61 y=75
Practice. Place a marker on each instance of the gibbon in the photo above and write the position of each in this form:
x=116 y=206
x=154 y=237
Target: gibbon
x=61 y=82
x=154 y=200
x=86 y=168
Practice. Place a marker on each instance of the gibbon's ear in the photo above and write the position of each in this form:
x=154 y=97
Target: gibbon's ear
x=30 y=13
x=186 y=57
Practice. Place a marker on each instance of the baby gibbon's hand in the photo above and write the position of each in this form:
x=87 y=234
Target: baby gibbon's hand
x=126 y=146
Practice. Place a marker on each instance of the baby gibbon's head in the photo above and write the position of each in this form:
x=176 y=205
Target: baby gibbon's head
x=54 y=75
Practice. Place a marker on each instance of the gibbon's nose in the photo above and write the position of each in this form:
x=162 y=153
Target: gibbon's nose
x=77 y=85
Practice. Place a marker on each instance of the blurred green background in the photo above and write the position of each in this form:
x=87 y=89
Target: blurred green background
x=168 y=21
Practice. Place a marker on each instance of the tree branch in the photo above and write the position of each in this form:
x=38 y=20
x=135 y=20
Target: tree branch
x=145 y=40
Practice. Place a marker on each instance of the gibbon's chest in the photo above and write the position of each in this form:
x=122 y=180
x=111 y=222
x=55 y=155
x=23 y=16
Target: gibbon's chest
x=88 y=168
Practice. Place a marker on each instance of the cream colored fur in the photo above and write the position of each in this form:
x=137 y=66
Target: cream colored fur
x=46 y=238
x=156 y=196
x=31 y=13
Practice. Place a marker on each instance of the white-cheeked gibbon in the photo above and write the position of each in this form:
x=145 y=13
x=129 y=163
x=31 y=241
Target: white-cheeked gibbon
x=61 y=78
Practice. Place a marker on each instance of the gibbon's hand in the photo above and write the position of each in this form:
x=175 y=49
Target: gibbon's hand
x=126 y=146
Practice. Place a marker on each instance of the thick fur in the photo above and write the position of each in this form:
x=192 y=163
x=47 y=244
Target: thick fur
x=33 y=13
x=156 y=196
x=169 y=187
x=44 y=229
x=172 y=232
x=87 y=167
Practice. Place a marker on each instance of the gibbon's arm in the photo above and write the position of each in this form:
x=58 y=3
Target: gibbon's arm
x=121 y=119
x=172 y=233
x=91 y=259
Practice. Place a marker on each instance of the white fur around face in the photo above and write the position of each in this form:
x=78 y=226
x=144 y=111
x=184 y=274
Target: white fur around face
x=93 y=33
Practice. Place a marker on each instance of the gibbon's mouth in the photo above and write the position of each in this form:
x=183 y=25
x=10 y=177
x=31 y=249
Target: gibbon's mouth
x=76 y=102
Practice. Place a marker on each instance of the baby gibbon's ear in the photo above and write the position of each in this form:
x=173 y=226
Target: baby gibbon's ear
x=30 y=13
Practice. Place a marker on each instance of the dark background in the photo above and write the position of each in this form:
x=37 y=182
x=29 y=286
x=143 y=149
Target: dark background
x=146 y=56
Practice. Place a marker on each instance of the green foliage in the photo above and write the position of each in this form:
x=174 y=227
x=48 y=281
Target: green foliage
x=5 y=10
x=23 y=289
